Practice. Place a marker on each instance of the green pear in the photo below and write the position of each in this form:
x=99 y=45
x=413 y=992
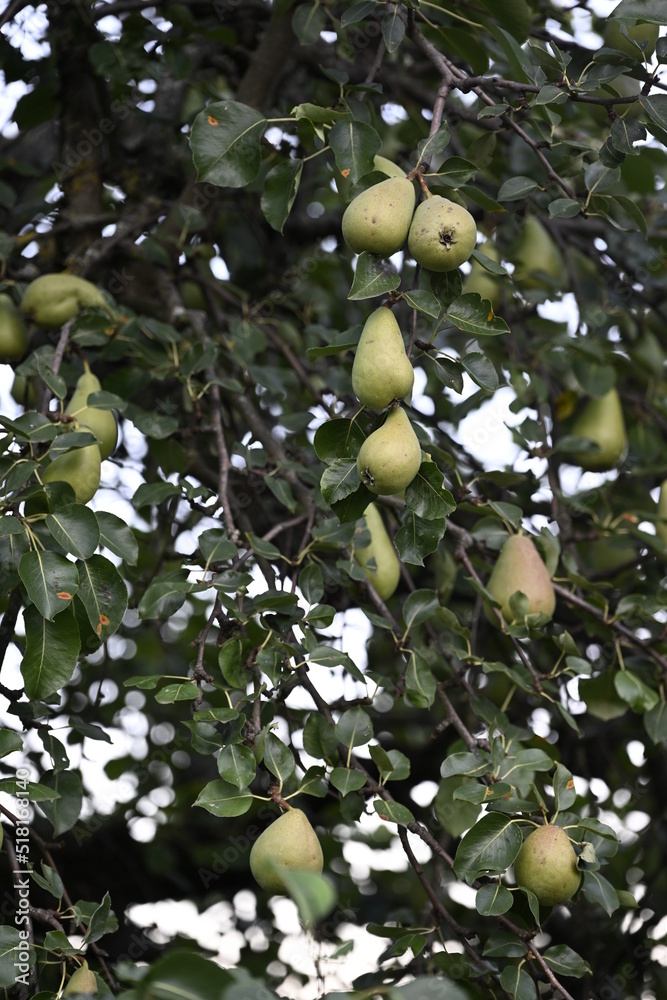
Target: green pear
x=381 y=371
x=642 y=32
x=547 y=865
x=442 y=234
x=390 y=457
x=81 y=981
x=482 y=281
x=378 y=219
x=79 y=467
x=386 y=572
x=24 y=391
x=387 y=167
x=538 y=258
x=13 y=335
x=519 y=566
x=53 y=299
x=289 y=842
x=601 y=421
x=102 y=423
x=661 y=524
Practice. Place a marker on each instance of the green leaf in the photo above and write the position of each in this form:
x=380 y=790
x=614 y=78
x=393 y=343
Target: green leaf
x=75 y=528
x=419 y=607
x=599 y=890
x=516 y=188
x=278 y=758
x=51 y=652
x=655 y=722
x=434 y=143
x=564 y=208
x=481 y=371
x=103 y=594
x=340 y=480
x=493 y=899
x=393 y=29
x=216 y=547
x=468 y=313
x=101 y=921
x=117 y=537
x=354 y=728
x=354 y=145
x=639 y=696
x=564 y=961
x=308 y=20
x=51 y=581
x=183 y=691
x=221 y=798
x=472 y=764
x=373 y=276
x=338 y=438
x=455 y=815
x=654 y=11
x=346 y=780
x=393 y=812
x=183 y=974
x=425 y=495
x=9 y=742
x=64 y=811
x=10 y=941
x=165 y=597
x=489 y=848
x=565 y=793
x=516 y=981
x=417 y=538
x=423 y=301
x=280 y=189
x=237 y=765
x=419 y=681
x=313 y=894
x=226 y=144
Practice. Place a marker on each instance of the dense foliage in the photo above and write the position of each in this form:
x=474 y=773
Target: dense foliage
x=197 y=645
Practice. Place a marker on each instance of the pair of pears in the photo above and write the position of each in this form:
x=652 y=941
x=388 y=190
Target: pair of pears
x=520 y=568
x=53 y=299
x=288 y=844
x=378 y=558
x=441 y=235
x=82 y=467
x=601 y=421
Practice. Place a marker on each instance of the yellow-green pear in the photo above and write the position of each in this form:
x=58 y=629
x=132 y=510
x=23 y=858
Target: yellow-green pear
x=442 y=234
x=638 y=32
x=386 y=571
x=80 y=467
x=13 y=335
x=547 y=865
x=537 y=257
x=661 y=523
x=53 y=299
x=102 y=423
x=289 y=842
x=601 y=421
x=378 y=219
x=519 y=567
x=390 y=457
x=482 y=281
x=81 y=981
x=381 y=371
x=387 y=167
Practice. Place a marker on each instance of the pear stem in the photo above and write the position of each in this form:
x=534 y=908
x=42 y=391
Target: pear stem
x=278 y=799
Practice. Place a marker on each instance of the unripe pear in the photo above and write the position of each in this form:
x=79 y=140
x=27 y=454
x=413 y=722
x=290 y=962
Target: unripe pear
x=13 y=335
x=661 y=524
x=482 y=281
x=520 y=567
x=23 y=390
x=390 y=457
x=102 y=423
x=378 y=219
x=81 y=981
x=289 y=842
x=381 y=371
x=387 y=167
x=547 y=865
x=442 y=234
x=80 y=467
x=386 y=574
x=601 y=421
x=537 y=256
x=53 y=299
